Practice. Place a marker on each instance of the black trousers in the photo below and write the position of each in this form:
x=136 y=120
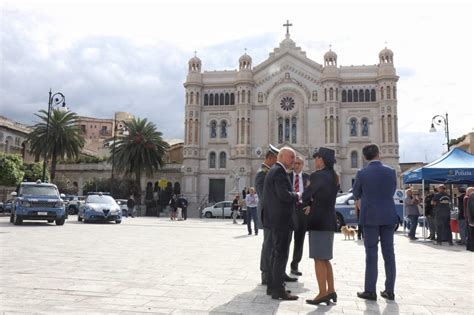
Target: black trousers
x=185 y=213
x=266 y=254
x=281 y=240
x=298 y=242
x=470 y=238
x=443 y=229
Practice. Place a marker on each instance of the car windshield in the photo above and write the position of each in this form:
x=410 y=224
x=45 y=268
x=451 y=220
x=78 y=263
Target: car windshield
x=343 y=199
x=32 y=190
x=100 y=199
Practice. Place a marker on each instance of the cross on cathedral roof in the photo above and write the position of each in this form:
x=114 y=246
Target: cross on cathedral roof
x=287 y=25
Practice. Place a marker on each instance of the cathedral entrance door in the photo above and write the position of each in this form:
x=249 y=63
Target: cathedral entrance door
x=216 y=189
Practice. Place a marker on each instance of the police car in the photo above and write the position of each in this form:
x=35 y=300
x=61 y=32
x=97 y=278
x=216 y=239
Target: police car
x=346 y=214
x=37 y=201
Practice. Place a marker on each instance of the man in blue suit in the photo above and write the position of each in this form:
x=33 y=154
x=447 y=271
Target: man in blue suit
x=374 y=186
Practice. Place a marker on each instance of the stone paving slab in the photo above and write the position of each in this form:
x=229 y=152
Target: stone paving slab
x=205 y=266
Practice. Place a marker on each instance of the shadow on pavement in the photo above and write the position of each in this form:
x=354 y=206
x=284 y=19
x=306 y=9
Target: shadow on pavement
x=257 y=301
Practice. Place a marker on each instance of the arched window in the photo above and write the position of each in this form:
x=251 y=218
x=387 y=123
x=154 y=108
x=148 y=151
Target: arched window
x=238 y=97
x=287 y=129
x=192 y=98
x=197 y=98
x=243 y=97
x=388 y=92
x=221 y=100
x=190 y=131
x=331 y=129
x=389 y=128
x=361 y=95
x=394 y=92
x=248 y=97
x=223 y=129
x=232 y=99
x=365 y=127
x=212 y=160
x=381 y=93
x=372 y=95
x=206 y=100
x=325 y=95
x=344 y=96
x=354 y=159
x=353 y=127
x=356 y=96
x=213 y=131
x=315 y=96
x=326 y=129
x=367 y=95
x=211 y=99
x=337 y=94
x=216 y=99
x=293 y=130
x=222 y=160
x=331 y=94
x=280 y=130
x=226 y=98
x=349 y=96
x=383 y=128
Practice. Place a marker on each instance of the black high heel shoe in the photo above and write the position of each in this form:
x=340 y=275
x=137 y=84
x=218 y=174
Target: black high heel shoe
x=325 y=299
x=333 y=296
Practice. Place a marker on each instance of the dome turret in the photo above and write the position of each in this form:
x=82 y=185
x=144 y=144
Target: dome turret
x=386 y=56
x=330 y=58
x=194 y=64
x=245 y=62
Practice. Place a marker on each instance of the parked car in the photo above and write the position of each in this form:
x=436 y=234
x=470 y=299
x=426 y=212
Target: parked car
x=37 y=201
x=345 y=209
x=73 y=203
x=123 y=205
x=99 y=207
x=216 y=210
x=7 y=206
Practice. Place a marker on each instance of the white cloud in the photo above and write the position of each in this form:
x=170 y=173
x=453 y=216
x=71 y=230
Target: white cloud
x=117 y=55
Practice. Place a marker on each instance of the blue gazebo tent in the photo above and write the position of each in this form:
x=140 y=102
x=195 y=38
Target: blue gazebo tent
x=453 y=167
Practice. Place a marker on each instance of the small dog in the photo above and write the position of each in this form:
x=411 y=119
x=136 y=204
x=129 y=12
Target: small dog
x=348 y=232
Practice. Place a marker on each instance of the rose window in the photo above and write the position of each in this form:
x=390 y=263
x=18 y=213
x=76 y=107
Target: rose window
x=287 y=103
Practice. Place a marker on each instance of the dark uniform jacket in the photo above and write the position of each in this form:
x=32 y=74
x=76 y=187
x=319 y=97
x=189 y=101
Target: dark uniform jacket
x=321 y=195
x=259 y=181
x=279 y=199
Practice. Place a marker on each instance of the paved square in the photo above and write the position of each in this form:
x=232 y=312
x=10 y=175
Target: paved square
x=153 y=265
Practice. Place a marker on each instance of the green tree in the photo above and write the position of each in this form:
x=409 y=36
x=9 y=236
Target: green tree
x=63 y=140
x=33 y=171
x=11 y=169
x=142 y=150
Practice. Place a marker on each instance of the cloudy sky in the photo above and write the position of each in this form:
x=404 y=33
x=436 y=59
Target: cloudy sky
x=108 y=56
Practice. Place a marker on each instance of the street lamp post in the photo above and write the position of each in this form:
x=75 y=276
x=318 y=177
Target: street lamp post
x=125 y=133
x=438 y=120
x=55 y=99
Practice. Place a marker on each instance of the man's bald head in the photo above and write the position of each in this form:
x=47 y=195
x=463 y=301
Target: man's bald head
x=287 y=157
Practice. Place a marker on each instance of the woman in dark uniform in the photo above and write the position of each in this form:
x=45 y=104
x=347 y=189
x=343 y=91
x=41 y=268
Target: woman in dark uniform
x=320 y=197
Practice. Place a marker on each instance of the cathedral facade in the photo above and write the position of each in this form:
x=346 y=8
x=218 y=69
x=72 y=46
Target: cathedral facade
x=287 y=100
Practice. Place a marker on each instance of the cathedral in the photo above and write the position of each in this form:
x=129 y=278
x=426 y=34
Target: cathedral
x=232 y=116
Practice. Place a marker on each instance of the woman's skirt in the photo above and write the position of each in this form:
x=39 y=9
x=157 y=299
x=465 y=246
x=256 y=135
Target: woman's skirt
x=321 y=244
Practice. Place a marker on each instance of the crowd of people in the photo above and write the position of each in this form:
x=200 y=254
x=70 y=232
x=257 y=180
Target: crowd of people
x=291 y=203
x=438 y=206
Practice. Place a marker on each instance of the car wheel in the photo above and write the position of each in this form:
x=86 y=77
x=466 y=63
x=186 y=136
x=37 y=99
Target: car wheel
x=60 y=221
x=11 y=217
x=339 y=221
x=208 y=214
x=118 y=221
x=17 y=220
x=50 y=220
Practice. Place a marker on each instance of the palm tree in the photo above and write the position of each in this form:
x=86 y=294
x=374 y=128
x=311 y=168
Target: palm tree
x=142 y=150
x=64 y=138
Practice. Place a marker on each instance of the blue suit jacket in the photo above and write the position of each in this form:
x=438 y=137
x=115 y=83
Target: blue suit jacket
x=374 y=186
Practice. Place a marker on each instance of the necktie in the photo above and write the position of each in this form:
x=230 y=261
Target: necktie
x=297 y=183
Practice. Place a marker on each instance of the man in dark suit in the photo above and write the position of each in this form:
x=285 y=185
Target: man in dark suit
x=298 y=179
x=270 y=159
x=374 y=186
x=279 y=203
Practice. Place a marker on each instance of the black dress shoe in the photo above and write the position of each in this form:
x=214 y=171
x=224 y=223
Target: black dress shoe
x=269 y=291
x=287 y=278
x=387 y=295
x=367 y=296
x=296 y=272
x=325 y=299
x=283 y=295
